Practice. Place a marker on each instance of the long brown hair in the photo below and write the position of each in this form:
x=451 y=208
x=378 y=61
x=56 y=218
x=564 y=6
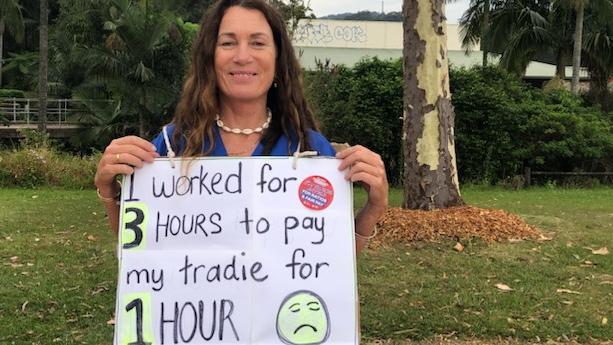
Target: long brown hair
x=195 y=113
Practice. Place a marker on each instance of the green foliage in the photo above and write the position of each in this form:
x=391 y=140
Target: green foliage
x=503 y=125
x=368 y=16
x=34 y=139
x=78 y=28
x=22 y=70
x=37 y=163
x=554 y=84
x=138 y=63
x=125 y=60
x=11 y=93
x=29 y=167
x=362 y=105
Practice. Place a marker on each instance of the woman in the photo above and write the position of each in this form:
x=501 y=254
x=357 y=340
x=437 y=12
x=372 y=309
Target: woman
x=243 y=97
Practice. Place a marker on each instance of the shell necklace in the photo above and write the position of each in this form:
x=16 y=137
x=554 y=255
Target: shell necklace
x=245 y=131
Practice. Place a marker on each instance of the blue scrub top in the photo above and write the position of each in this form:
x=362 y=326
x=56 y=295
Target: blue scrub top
x=318 y=143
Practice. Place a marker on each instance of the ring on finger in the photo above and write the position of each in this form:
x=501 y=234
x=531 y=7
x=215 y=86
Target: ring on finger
x=117 y=157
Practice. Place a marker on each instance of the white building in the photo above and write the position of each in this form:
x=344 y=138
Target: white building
x=348 y=41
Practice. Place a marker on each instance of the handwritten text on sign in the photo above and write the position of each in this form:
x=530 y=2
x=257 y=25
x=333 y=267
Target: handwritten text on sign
x=237 y=251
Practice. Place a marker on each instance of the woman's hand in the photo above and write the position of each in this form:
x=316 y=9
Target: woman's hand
x=368 y=168
x=122 y=156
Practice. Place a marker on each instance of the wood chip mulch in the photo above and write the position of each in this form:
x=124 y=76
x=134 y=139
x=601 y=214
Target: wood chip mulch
x=464 y=222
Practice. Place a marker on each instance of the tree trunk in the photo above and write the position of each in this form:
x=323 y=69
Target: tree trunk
x=141 y=125
x=484 y=31
x=560 y=64
x=43 y=66
x=142 y=111
x=599 y=92
x=1 y=48
x=430 y=174
x=578 y=38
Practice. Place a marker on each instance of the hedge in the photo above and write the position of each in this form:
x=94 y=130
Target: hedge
x=502 y=124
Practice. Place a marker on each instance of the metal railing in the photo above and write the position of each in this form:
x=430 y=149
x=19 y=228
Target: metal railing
x=25 y=110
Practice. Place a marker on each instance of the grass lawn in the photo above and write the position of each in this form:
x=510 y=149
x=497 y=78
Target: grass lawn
x=58 y=267
x=426 y=290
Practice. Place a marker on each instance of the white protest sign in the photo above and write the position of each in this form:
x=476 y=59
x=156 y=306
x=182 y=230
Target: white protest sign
x=237 y=251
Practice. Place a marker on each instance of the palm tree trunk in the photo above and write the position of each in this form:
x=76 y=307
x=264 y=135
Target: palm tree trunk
x=560 y=66
x=484 y=31
x=578 y=38
x=430 y=174
x=43 y=66
x=1 y=47
x=141 y=116
x=141 y=125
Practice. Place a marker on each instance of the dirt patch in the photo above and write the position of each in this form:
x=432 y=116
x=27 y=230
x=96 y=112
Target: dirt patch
x=399 y=225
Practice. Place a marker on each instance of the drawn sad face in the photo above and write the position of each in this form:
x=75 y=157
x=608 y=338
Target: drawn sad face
x=303 y=319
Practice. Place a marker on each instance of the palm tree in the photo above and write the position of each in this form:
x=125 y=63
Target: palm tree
x=598 y=53
x=43 y=65
x=475 y=24
x=520 y=31
x=579 y=6
x=516 y=29
x=11 y=19
x=127 y=63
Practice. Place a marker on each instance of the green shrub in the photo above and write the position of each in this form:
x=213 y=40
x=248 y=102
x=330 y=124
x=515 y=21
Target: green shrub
x=31 y=168
x=10 y=93
x=362 y=105
x=504 y=125
x=37 y=163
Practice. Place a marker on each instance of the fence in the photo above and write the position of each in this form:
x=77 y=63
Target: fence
x=25 y=110
x=528 y=173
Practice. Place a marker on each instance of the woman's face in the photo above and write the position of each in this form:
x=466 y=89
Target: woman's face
x=244 y=56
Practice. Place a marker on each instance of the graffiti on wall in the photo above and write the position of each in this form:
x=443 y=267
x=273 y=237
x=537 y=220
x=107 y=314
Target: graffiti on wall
x=317 y=34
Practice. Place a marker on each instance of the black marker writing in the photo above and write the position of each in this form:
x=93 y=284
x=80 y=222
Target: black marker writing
x=148 y=277
x=186 y=323
x=216 y=273
x=275 y=184
x=262 y=225
x=204 y=183
x=307 y=223
x=194 y=224
x=304 y=269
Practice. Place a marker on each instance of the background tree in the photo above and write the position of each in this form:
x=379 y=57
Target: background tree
x=520 y=31
x=11 y=19
x=515 y=29
x=367 y=15
x=193 y=10
x=292 y=11
x=142 y=37
x=78 y=28
x=43 y=65
x=598 y=53
x=430 y=173
x=579 y=6
x=474 y=26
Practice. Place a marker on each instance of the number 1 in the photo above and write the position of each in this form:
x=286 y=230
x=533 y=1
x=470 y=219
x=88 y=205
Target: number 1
x=138 y=304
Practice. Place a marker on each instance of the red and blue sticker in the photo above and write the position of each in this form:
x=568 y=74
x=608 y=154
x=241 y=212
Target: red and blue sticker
x=316 y=193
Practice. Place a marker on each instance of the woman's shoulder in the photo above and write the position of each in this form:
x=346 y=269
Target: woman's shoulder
x=159 y=142
x=320 y=143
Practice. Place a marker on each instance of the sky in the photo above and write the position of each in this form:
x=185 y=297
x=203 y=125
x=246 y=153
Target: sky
x=322 y=8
